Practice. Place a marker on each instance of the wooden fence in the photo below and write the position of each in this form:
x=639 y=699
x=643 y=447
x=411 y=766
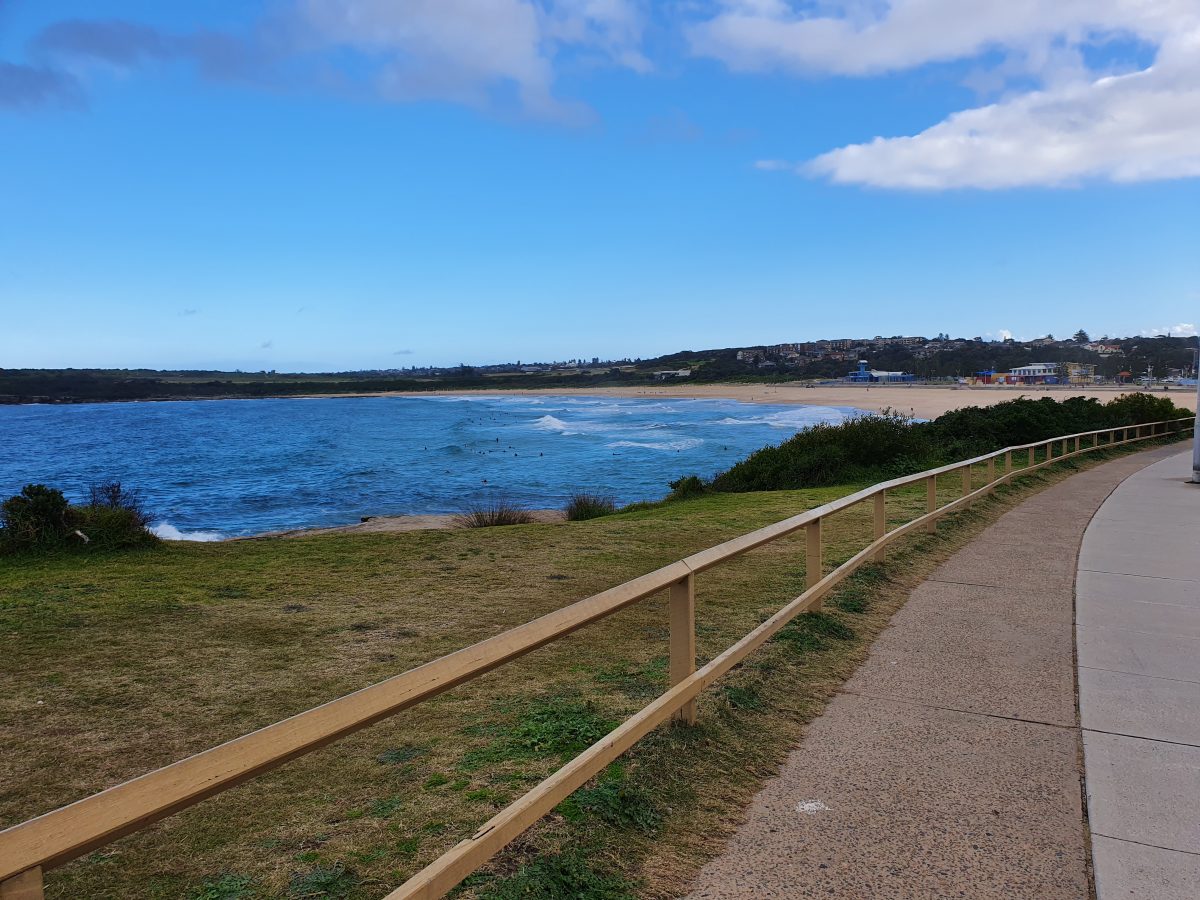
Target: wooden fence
x=31 y=848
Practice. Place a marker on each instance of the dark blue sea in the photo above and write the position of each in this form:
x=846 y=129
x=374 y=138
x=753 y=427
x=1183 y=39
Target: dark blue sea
x=221 y=468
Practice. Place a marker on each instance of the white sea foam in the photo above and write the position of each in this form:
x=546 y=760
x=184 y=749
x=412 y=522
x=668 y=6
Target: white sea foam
x=795 y=419
x=169 y=532
x=551 y=423
x=682 y=444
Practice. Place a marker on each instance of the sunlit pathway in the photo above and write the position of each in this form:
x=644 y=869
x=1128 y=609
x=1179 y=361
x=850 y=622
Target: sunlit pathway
x=950 y=764
x=1138 y=627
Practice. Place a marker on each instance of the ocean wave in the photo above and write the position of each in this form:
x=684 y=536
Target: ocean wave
x=682 y=444
x=795 y=419
x=550 y=423
x=169 y=532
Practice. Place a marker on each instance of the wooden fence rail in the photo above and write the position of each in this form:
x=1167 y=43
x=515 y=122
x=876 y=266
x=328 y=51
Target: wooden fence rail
x=31 y=848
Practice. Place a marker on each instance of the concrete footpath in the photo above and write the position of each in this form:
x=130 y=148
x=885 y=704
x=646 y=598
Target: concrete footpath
x=950 y=764
x=1138 y=638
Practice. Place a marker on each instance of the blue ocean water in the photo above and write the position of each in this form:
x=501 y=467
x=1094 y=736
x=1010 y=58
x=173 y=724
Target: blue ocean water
x=220 y=468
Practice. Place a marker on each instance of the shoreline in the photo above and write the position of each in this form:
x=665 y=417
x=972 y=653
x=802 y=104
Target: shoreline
x=924 y=401
x=390 y=525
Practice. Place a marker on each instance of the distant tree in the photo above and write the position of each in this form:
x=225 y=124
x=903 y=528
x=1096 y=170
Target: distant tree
x=1081 y=337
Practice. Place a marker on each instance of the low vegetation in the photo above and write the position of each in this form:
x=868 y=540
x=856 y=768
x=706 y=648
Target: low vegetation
x=874 y=448
x=499 y=512
x=145 y=658
x=40 y=520
x=582 y=507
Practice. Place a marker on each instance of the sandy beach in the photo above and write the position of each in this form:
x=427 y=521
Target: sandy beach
x=923 y=401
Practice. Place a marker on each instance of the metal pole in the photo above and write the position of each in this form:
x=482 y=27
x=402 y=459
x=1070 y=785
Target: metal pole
x=1196 y=437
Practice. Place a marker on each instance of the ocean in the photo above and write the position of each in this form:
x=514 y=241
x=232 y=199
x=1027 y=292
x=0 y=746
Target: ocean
x=222 y=468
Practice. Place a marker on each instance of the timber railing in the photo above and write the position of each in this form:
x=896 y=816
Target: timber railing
x=30 y=849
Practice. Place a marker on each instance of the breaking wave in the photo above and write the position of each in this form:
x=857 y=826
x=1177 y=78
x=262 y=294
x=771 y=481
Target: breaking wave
x=682 y=444
x=169 y=532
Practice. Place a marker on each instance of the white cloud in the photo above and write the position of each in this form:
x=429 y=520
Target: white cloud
x=1139 y=127
x=1183 y=329
x=862 y=37
x=468 y=51
x=1135 y=126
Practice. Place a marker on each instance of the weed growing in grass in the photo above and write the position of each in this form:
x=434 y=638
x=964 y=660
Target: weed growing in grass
x=746 y=698
x=324 y=881
x=558 y=727
x=557 y=877
x=227 y=887
x=552 y=726
x=490 y=515
x=615 y=801
x=649 y=680
x=854 y=594
x=589 y=506
x=808 y=631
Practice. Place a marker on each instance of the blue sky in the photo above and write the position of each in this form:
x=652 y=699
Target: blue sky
x=331 y=184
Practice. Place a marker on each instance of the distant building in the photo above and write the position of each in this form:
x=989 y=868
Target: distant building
x=672 y=373
x=1034 y=373
x=1081 y=373
x=863 y=375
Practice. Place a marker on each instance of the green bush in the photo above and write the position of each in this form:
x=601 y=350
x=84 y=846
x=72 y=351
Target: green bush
x=40 y=519
x=878 y=447
x=36 y=518
x=589 y=506
x=687 y=487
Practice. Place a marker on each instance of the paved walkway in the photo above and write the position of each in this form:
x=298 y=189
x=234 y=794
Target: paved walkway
x=1138 y=634
x=950 y=764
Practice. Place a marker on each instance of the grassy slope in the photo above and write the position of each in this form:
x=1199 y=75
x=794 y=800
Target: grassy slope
x=116 y=665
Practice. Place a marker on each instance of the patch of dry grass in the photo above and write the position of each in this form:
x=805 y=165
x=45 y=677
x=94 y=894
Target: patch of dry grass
x=118 y=664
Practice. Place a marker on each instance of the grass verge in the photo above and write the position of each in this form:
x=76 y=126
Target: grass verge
x=117 y=664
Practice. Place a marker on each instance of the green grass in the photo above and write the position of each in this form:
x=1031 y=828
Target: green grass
x=117 y=664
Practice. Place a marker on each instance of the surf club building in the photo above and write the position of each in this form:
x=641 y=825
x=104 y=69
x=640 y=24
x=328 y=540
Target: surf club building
x=863 y=375
x=1034 y=373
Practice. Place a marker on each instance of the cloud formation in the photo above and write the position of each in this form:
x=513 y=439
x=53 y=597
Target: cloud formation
x=1183 y=329
x=1078 y=125
x=27 y=87
x=492 y=54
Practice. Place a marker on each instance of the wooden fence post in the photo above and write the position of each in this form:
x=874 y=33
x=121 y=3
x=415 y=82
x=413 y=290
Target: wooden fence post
x=1008 y=462
x=966 y=480
x=812 y=562
x=683 y=640
x=26 y=886
x=1077 y=443
x=931 y=501
x=880 y=522
x=1032 y=455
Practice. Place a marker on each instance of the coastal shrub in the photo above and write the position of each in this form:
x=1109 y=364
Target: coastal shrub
x=1139 y=408
x=40 y=519
x=36 y=518
x=687 y=487
x=877 y=447
x=589 y=506
x=826 y=454
x=499 y=512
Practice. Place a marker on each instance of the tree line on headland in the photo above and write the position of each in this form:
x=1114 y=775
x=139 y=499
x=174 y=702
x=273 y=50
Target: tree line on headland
x=1160 y=354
